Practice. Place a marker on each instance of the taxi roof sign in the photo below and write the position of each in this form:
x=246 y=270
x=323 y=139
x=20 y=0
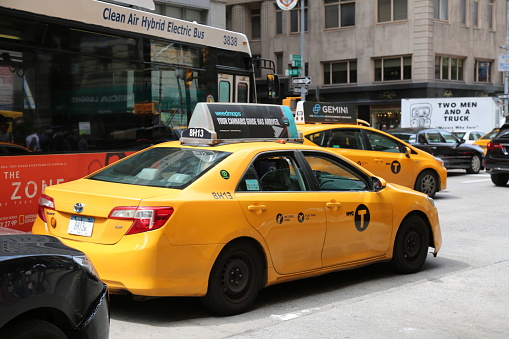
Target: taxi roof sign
x=325 y=112
x=214 y=123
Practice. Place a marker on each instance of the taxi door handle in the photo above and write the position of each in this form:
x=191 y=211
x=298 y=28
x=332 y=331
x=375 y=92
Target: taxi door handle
x=257 y=208
x=333 y=205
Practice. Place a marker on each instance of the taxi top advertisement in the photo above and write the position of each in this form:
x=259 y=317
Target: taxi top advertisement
x=325 y=112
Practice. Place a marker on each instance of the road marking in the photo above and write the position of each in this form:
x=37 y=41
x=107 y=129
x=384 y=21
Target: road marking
x=289 y=316
x=468 y=182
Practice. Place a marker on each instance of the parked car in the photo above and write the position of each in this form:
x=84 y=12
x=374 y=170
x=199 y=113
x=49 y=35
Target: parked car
x=496 y=161
x=49 y=290
x=239 y=203
x=483 y=141
x=470 y=136
x=455 y=153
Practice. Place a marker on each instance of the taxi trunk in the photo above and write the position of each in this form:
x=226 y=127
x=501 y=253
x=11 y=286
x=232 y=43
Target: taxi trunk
x=82 y=210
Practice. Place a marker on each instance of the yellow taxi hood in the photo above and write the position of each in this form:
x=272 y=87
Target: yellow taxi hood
x=97 y=199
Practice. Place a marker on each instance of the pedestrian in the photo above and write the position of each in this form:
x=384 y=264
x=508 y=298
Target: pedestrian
x=5 y=135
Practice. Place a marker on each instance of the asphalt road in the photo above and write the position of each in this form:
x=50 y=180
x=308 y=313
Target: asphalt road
x=462 y=293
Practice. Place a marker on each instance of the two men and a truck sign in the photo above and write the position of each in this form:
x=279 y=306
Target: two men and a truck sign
x=472 y=113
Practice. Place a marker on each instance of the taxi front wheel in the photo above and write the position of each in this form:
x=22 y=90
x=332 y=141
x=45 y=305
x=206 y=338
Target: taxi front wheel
x=235 y=279
x=427 y=183
x=411 y=245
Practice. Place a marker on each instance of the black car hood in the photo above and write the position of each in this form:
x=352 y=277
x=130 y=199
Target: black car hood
x=25 y=245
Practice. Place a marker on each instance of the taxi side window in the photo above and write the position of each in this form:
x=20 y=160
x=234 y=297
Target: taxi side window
x=333 y=176
x=320 y=138
x=350 y=139
x=383 y=143
x=273 y=174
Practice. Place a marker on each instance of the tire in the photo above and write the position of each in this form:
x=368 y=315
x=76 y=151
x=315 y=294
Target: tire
x=32 y=329
x=235 y=279
x=475 y=165
x=427 y=183
x=500 y=179
x=410 y=245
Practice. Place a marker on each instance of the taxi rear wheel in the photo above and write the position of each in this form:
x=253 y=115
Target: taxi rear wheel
x=235 y=279
x=427 y=183
x=411 y=245
x=500 y=179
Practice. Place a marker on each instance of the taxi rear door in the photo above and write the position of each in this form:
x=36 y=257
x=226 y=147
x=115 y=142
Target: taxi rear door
x=359 y=220
x=275 y=197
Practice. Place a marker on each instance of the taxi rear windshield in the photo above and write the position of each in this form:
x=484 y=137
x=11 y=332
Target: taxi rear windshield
x=168 y=167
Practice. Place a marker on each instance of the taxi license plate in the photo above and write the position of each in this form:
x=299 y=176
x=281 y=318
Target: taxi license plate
x=81 y=226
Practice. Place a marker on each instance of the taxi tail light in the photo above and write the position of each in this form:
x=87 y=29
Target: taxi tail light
x=45 y=202
x=493 y=146
x=144 y=218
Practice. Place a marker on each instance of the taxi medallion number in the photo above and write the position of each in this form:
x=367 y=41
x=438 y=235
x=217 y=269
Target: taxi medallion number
x=81 y=226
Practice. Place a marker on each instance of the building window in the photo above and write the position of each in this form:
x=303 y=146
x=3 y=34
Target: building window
x=463 y=12
x=482 y=71
x=279 y=63
x=449 y=68
x=339 y=13
x=340 y=72
x=491 y=15
x=279 y=22
x=475 y=13
x=295 y=18
x=392 y=10
x=393 y=69
x=256 y=28
x=441 y=10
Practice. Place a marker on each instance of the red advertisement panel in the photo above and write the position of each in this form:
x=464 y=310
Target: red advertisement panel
x=23 y=179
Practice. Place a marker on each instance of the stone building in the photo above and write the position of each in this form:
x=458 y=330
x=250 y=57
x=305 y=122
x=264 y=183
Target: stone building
x=374 y=53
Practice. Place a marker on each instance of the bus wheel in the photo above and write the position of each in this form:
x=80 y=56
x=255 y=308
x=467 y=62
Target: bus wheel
x=411 y=245
x=235 y=279
x=427 y=183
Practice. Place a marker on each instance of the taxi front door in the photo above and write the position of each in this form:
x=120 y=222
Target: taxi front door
x=289 y=218
x=359 y=220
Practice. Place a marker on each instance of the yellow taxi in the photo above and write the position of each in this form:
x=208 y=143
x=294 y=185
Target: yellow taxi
x=239 y=203
x=379 y=152
x=485 y=139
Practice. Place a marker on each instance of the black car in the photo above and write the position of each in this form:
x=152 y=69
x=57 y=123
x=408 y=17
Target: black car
x=454 y=152
x=496 y=161
x=49 y=290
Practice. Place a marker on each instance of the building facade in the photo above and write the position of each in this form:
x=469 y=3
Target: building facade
x=375 y=53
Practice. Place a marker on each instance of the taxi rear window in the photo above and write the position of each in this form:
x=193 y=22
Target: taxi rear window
x=169 y=167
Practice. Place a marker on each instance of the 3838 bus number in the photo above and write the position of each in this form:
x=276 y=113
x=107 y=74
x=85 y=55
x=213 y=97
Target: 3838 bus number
x=229 y=40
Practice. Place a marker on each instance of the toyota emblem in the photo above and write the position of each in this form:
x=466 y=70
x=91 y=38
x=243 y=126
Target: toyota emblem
x=78 y=208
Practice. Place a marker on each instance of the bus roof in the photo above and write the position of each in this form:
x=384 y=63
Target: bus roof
x=95 y=12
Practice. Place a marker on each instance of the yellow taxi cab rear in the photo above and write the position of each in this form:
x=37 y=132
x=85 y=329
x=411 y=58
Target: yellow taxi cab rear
x=220 y=219
x=485 y=139
x=382 y=154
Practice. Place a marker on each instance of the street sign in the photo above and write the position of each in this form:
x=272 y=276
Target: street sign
x=296 y=63
x=503 y=96
x=295 y=57
x=298 y=90
x=292 y=72
x=503 y=63
x=301 y=81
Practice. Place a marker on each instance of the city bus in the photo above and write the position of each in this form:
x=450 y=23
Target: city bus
x=84 y=83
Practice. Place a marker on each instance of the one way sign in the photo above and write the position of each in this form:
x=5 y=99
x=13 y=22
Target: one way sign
x=301 y=81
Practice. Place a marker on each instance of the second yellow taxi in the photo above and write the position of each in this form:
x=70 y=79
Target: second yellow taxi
x=379 y=152
x=238 y=204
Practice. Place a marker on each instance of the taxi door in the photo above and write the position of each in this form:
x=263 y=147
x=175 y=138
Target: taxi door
x=275 y=197
x=359 y=220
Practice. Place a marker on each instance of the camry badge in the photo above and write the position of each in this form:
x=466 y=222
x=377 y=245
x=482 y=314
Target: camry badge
x=78 y=208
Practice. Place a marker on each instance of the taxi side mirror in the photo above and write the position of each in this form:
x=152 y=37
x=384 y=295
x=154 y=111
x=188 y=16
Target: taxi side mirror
x=378 y=184
x=408 y=151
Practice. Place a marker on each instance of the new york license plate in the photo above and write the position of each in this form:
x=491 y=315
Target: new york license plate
x=81 y=226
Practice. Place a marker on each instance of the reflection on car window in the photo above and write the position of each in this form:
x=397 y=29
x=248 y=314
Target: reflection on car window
x=333 y=176
x=162 y=167
x=383 y=143
x=273 y=174
x=346 y=138
x=434 y=137
x=449 y=137
x=320 y=138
